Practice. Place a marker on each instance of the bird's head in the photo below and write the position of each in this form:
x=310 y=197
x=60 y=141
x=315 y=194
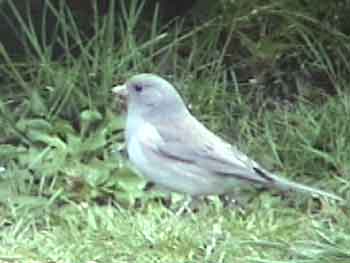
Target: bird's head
x=149 y=94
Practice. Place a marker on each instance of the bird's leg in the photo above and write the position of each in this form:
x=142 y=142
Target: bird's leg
x=184 y=207
x=229 y=200
x=190 y=204
x=233 y=200
x=166 y=200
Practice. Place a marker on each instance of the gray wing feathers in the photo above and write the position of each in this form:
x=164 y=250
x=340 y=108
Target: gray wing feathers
x=201 y=147
x=189 y=141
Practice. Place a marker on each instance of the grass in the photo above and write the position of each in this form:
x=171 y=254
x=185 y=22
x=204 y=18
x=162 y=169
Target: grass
x=67 y=193
x=268 y=232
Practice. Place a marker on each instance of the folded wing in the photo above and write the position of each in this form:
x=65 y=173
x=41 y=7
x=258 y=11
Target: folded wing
x=189 y=141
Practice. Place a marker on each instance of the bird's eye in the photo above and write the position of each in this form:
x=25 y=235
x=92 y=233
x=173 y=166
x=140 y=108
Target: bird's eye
x=138 y=88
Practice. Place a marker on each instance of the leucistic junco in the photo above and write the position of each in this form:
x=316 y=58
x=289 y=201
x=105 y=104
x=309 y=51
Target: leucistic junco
x=171 y=148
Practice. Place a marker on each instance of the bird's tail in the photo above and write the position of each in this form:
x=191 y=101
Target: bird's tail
x=285 y=184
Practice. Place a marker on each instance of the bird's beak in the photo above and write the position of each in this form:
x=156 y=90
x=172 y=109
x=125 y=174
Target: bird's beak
x=121 y=93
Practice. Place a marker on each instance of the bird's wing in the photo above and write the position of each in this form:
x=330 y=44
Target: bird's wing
x=187 y=140
x=188 y=143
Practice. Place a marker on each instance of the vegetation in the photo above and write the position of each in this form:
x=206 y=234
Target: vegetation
x=270 y=76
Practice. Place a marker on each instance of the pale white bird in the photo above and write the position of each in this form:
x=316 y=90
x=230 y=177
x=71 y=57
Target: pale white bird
x=171 y=148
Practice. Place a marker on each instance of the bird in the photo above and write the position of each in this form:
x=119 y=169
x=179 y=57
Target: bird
x=173 y=149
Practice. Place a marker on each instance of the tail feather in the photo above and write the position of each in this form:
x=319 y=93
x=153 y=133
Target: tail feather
x=285 y=184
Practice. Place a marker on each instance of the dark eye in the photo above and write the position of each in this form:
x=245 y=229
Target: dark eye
x=138 y=88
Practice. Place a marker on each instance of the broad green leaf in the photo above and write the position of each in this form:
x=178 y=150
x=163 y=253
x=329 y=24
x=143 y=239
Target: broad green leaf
x=90 y=116
x=37 y=103
x=34 y=124
x=54 y=141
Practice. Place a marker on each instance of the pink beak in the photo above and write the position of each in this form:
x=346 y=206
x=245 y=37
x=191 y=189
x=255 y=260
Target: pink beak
x=121 y=93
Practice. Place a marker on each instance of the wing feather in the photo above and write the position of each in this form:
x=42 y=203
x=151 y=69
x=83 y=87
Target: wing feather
x=189 y=141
